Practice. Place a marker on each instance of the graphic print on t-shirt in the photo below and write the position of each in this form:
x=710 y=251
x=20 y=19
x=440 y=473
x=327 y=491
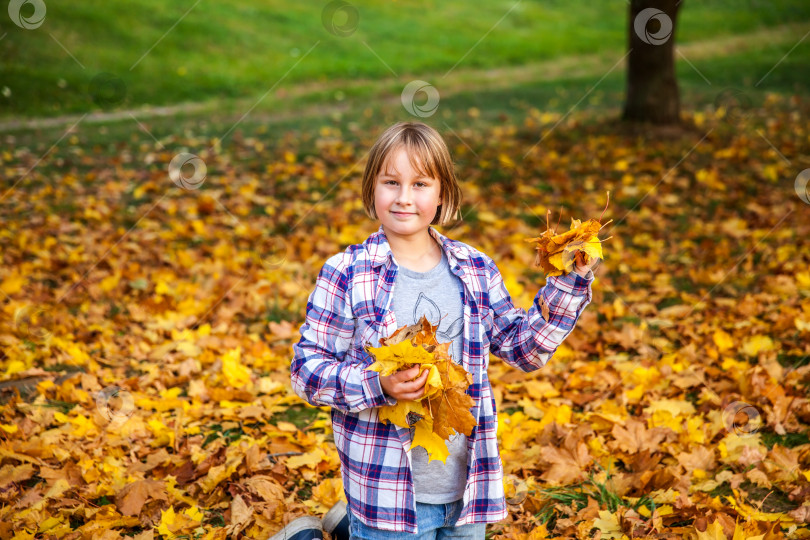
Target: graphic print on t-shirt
x=447 y=330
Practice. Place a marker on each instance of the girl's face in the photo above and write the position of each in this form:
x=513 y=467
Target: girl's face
x=405 y=201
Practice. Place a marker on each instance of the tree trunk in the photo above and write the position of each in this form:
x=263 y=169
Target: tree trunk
x=652 y=89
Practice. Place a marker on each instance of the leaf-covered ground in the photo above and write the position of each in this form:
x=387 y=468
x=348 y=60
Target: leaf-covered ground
x=146 y=329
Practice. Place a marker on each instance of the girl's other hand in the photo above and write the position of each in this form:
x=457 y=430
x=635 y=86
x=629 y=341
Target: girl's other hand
x=406 y=384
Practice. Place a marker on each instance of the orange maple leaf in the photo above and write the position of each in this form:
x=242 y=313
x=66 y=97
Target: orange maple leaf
x=558 y=253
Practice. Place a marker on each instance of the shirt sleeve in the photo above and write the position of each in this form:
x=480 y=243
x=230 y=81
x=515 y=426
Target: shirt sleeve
x=526 y=340
x=321 y=371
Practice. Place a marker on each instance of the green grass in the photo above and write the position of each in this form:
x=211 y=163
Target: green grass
x=793 y=361
x=298 y=415
x=63 y=406
x=215 y=431
x=741 y=71
x=772 y=500
x=788 y=440
x=369 y=110
x=226 y=50
x=576 y=497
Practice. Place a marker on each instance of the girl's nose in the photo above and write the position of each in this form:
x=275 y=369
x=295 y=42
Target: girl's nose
x=404 y=195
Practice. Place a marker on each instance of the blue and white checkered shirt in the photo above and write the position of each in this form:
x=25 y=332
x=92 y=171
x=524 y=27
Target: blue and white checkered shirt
x=351 y=306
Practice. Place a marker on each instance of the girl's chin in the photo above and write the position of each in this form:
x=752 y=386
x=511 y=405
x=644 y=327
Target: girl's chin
x=403 y=229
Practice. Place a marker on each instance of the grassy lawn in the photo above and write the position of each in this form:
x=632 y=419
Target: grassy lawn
x=168 y=53
x=469 y=102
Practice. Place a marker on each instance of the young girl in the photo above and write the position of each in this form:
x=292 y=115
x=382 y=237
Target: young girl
x=403 y=271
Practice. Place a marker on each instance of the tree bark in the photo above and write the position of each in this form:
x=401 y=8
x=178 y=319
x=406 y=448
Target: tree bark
x=652 y=88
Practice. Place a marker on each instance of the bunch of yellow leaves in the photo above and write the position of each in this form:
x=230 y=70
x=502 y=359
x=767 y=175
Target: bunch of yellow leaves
x=557 y=253
x=445 y=407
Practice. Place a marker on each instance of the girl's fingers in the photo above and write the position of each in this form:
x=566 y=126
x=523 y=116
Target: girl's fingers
x=408 y=384
x=407 y=374
x=412 y=388
x=414 y=385
x=412 y=374
x=413 y=394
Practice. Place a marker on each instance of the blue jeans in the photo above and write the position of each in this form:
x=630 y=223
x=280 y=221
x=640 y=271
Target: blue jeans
x=433 y=521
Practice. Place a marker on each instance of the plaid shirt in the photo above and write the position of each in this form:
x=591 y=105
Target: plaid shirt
x=351 y=306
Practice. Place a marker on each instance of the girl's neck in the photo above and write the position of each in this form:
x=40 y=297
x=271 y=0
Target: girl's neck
x=418 y=253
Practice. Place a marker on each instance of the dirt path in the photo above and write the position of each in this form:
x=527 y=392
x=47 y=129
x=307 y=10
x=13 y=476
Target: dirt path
x=458 y=80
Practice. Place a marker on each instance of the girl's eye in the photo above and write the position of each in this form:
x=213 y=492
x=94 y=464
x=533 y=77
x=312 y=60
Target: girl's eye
x=394 y=182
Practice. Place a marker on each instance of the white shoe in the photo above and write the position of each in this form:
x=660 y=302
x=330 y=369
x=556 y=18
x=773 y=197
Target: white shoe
x=303 y=528
x=336 y=521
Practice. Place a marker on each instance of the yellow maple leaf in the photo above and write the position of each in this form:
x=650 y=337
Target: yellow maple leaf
x=164 y=435
x=713 y=532
x=398 y=414
x=167 y=522
x=427 y=439
x=538 y=533
x=722 y=340
x=560 y=414
x=751 y=513
x=756 y=344
x=325 y=495
x=445 y=407
x=13 y=283
x=743 y=532
x=608 y=523
x=307 y=459
x=803 y=280
x=218 y=473
x=110 y=282
x=194 y=513
x=15 y=366
x=390 y=358
x=235 y=373
x=433 y=385
x=177 y=493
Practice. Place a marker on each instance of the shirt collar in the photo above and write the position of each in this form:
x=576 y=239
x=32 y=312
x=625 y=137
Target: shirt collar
x=380 y=251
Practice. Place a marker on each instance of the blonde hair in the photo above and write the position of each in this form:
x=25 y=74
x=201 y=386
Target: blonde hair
x=427 y=153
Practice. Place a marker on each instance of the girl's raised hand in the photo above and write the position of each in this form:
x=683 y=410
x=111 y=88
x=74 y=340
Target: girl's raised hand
x=579 y=264
x=406 y=384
